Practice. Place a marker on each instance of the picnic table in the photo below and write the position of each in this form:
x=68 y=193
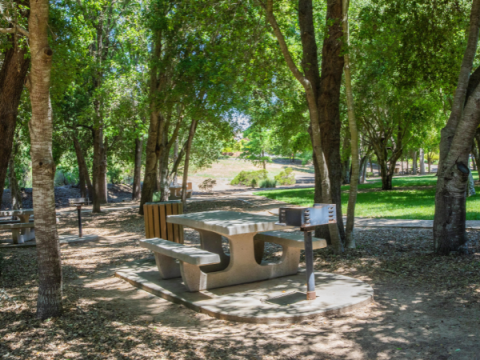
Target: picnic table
x=209 y=267
x=21 y=231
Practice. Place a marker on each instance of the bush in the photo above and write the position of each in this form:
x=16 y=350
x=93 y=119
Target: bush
x=115 y=175
x=249 y=178
x=156 y=196
x=286 y=177
x=268 y=183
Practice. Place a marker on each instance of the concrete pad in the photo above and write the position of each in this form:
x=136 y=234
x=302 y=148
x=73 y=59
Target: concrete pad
x=63 y=239
x=279 y=300
x=73 y=239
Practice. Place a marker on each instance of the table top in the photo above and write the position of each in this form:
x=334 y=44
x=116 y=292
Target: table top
x=227 y=222
x=16 y=212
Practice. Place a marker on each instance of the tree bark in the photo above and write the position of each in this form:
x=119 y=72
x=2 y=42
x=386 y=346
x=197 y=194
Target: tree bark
x=329 y=101
x=191 y=134
x=352 y=122
x=49 y=303
x=137 y=169
x=15 y=192
x=422 y=161
x=83 y=170
x=456 y=138
x=477 y=157
x=414 y=163
x=99 y=169
x=12 y=78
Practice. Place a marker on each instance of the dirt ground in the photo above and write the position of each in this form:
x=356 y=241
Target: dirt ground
x=425 y=307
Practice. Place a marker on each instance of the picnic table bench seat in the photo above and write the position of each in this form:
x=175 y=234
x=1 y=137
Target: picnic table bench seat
x=189 y=261
x=21 y=232
x=289 y=239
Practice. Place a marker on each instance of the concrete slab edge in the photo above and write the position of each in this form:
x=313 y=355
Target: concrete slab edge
x=167 y=295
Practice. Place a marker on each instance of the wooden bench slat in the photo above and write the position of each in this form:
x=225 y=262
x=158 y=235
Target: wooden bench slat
x=188 y=254
x=289 y=239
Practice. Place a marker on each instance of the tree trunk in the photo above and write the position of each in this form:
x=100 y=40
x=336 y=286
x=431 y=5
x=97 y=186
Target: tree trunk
x=352 y=199
x=456 y=139
x=163 y=170
x=175 y=158
x=12 y=77
x=49 y=303
x=15 y=192
x=414 y=164
x=83 y=170
x=191 y=134
x=385 y=174
x=99 y=170
x=371 y=166
x=311 y=84
x=477 y=158
x=422 y=161
x=138 y=168
x=329 y=101
x=407 y=167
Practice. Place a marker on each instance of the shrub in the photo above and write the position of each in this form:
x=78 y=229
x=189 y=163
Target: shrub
x=246 y=177
x=156 y=196
x=286 y=177
x=268 y=183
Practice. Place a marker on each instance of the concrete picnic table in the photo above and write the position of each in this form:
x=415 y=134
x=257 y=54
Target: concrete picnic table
x=22 y=214
x=21 y=231
x=244 y=263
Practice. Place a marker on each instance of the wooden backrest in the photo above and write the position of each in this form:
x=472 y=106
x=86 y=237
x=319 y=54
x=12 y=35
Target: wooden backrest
x=155 y=216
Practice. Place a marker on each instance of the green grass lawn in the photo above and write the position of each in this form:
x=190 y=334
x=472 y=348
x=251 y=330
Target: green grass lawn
x=395 y=204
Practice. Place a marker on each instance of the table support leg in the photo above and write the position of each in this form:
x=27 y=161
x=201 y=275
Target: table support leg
x=311 y=294
x=212 y=242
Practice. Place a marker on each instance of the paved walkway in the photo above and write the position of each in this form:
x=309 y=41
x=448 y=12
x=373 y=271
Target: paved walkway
x=400 y=223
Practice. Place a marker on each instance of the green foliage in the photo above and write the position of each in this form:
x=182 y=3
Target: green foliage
x=286 y=177
x=65 y=176
x=249 y=178
x=268 y=183
x=156 y=197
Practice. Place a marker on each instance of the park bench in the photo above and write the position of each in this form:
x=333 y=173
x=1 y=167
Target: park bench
x=289 y=239
x=189 y=261
x=21 y=232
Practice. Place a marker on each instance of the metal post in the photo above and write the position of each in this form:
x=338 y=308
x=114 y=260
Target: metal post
x=79 y=211
x=311 y=294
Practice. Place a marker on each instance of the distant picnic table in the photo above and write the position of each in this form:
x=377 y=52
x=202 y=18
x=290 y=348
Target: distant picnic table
x=21 y=231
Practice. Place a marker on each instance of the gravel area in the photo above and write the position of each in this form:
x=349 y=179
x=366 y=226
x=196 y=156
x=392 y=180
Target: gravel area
x=426 y=307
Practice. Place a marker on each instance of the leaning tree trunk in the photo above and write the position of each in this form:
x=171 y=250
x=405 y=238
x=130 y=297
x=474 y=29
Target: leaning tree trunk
x=422 y=161
x=449 y=232
x=49 y=303
x=191 y=134
x=138 y=168
x=83 y=170
x=12 y=78
x=352 y=199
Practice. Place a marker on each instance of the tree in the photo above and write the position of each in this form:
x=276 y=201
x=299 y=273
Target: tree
x=13 y=17
x=49 y=303
x=323 y=94
x=456 y=141
x=256 y=147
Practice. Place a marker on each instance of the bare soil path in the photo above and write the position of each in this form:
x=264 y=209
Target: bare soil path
x=426 y=307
